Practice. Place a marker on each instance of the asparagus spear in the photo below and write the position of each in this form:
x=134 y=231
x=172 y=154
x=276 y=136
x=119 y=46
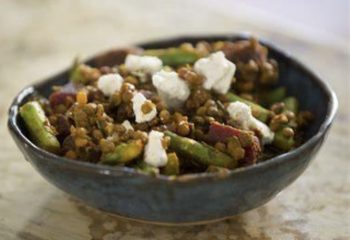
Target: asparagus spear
x=199 y=152
x=291 y=104
x=282 y=142
x=146 y=168
x=82 y=73
x=273 y=96
x=123 y=153
x=173 y=166
x=173 y=56
x=258 y=111
x=76 y=75
x=39 y=127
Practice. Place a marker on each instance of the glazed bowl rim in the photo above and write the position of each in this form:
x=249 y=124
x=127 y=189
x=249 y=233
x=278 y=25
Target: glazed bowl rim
x=332 y=107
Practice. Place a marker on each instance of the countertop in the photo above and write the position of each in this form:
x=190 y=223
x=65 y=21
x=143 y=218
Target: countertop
x=40 y=38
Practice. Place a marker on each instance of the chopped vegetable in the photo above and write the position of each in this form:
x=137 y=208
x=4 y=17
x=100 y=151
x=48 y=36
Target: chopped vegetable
x=64 y=96
x=173 y=165
x=273 y=96
x=123 y=153
x=83 y=74
x=282 y=142
x=202 y=153
x=143 y=167
x=39 y=127
x=173 y=56
x=221 y=133
x=291 y=104
x=82 y=98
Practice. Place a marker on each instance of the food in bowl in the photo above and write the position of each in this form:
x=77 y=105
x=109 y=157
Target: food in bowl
x=210 y=107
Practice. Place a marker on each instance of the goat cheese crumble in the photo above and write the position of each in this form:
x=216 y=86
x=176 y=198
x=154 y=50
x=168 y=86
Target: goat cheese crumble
x=172 y=89
x=217 y=71
x=110 y=83
x=141 y=65
x=155 y=154
x=244 y=119
x=138 y=100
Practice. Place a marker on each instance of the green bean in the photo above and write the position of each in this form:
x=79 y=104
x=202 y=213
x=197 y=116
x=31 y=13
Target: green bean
x=39 y=127
x=173 y=56
x=123 y=153
x=258 y=111
x=202 y=153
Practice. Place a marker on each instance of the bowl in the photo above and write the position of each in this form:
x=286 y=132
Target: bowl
x=191 y=198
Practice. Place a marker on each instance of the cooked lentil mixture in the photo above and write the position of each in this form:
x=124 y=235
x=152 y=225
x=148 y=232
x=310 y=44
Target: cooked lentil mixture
x=192 y=108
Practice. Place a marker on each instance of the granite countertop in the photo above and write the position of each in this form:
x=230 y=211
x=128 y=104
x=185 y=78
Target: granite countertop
x=40 y=38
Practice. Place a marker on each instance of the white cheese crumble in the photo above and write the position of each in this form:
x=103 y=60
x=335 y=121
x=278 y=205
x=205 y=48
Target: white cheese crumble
x=217 y=71
x=141 y=65
x=138 y=100
x=127 y=125
x=155 y=154
x=109 y=83
x=243 y=117
x=171 y=89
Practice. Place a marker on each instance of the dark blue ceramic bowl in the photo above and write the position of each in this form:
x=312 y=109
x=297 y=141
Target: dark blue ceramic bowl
x=194 y=198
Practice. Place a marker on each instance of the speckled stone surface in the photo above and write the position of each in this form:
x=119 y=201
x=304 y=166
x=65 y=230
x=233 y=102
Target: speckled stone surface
x=40 y=38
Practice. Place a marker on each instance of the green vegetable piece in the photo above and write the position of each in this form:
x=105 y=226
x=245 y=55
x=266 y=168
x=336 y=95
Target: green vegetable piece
x=39 y=127
x=147 y=169
x=202 y=153
x=258 y=111
x=173 y=165
x=82 y=74
x=273 y=96
x=173 y=56
x=74 y=67
x=291 y=104
x=282 y=142
x=123 y=153
x=75 y=73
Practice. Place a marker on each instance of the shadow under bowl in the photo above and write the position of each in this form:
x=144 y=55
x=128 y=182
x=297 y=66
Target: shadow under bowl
x=193 y=198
